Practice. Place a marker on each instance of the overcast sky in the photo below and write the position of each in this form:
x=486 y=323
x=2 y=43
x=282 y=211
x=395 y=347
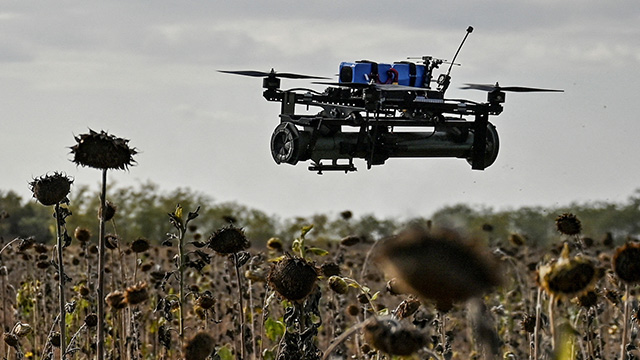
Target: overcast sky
x=146 y=71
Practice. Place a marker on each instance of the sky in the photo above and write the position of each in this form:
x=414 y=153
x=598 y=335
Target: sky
x=147 y=71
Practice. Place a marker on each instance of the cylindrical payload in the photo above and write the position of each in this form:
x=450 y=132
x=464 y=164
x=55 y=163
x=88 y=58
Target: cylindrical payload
x=290 y=145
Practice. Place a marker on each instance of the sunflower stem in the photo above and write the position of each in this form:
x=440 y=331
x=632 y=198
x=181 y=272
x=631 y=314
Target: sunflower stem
x=100 y=288
x=241 y=304
x=537 y=327
x=625 y=323
x=181 y=234
x=552 y=322
x=61 y=281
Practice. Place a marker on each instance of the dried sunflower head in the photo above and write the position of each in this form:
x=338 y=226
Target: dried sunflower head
x=274 y=244
x=568 y=276
x=199 y=347
x=568 y=224
x=626 y=262
x=102 y=151
x=11 y=340
x=51 y=189
x=338 y=284
x=393 y=337
x=350 y=240
x=82 y=234
x=437 y=265
x=140 y=245
x=206 y=300
x=107 y=212
x=136 y=294
x=116 y=300
x=293 y=278
x=228 y=240
x=91 y=320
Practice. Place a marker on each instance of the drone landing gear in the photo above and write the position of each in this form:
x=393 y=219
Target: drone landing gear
x=320 y=167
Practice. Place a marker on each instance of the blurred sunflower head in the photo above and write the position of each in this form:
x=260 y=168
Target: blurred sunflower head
x=393 y=337
x=102 y=151
x=437 y=265
x=199 y=347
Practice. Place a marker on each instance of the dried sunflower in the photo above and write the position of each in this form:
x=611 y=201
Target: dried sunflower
x=108 y=212
x=626 y=262
x=116 y=300
x=293 y=278
x=51 y=189
x=437 y=265
x=568 y=224
x=82 y=234
x=393 y=337
x=228 y=240
x=274 y=244
x=140 y=245
x=102 y=151
x=199 y=347
x=568 y=277
x=136 y=294
x=338 y=284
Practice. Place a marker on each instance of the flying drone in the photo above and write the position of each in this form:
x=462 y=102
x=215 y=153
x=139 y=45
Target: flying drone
x=376 y=111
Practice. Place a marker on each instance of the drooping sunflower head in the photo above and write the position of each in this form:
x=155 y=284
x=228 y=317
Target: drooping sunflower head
x=199 y=347
x=102 y=151
x=437 y=265
x=293 y=278
x=136 y=294
x=393 y=337
x=51 y=189
x=229 y=240
x=626 y=262
x=568 y=276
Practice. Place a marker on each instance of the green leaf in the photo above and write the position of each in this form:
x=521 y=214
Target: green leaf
x=318 y=251
x=375 y=296
x=273 y=329
x=305 y=230
x=268 y=355
x=225 y=353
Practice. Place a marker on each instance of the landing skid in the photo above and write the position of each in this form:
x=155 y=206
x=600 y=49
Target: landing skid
x=320 y=167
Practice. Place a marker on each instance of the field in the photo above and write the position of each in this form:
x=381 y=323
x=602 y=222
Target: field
x=198 y=293
x=143 y=314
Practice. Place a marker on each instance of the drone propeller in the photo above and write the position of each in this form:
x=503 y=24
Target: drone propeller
x=487 y=87
x=272 y=73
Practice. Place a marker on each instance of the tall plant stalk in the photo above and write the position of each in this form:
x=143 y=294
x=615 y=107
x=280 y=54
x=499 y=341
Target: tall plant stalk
x=625 y=323
x=237 y=265
x=101 y=257
x=61 y=281
x=181 y=225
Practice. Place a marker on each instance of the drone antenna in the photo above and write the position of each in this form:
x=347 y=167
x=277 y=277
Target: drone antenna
x=469 y=31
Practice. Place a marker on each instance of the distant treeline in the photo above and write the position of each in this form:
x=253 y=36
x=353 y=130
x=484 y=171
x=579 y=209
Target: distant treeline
x=142 y=212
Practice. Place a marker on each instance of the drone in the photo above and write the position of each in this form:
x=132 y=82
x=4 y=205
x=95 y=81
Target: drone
x=377 y=111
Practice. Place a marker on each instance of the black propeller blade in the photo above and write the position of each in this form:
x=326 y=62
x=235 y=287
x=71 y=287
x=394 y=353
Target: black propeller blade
x=272 y=73
x=487 y=87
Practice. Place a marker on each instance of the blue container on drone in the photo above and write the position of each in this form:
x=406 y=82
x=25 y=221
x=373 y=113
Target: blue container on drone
x=362 y=72
x=410 y=74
